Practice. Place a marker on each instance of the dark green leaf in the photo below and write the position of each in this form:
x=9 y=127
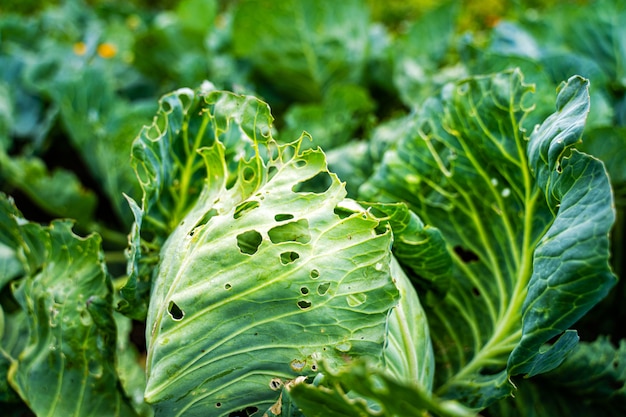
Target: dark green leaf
x=305 y=45
x=594 y=374
x=570 y=264
x=464 y=169
x=66 y=366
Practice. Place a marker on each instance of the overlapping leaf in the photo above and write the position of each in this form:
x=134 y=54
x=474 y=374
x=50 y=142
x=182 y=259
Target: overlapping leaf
x=594 y=374
x=171 y=172
x=465 y=170
x=570 y=261
x=262 y=276
x=65 y=366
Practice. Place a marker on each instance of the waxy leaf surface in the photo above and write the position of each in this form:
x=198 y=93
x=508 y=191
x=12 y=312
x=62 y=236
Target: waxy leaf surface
x=264 y=276
x=525 y=223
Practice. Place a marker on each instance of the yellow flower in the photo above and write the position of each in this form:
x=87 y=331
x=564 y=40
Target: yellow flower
x=107 y=50
x=80 y=48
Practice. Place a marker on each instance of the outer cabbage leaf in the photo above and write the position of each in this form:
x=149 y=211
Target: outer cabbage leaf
x=129 y=366
x=66 y=365
x=466 y=170
x=101 y=127
x=570 y=264
x=171 y=172
x=360 y=388
x=261 y=278
x=594 y=374
x=59 y=192
x=420 y=54
x=334 y=121
x=408 y=355
x=342 y=393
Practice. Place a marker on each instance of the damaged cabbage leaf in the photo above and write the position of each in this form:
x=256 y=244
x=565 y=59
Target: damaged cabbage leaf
x=525 y=224
x=401 y=387
x=262 y=277
x=343 y=394
x=171 y=172
x=65 y=365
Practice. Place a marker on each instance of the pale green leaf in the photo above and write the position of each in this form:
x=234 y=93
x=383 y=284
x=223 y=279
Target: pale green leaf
x=171 y=171
x=261 y=276
x=343 y=393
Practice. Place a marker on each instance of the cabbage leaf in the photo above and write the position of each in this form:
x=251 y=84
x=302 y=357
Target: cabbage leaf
x=525 y=221
x=265 y=274
x=64 y=364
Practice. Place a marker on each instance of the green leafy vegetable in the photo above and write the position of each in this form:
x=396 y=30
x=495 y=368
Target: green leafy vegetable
x=65 y=366
x=262 y=242
x=436 y=242
x=468 y=169
x=601 y=391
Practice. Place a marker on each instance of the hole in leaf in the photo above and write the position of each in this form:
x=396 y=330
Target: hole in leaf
x=466 y=255
x=322 y=289
x=175 y=312
x=317 y=184
x=304 y=290
x=300 y=163
x=283 y=217
x=342 y=213
x=287 y=152
x=204 y=220
x=248 y=174
x=381 y=229
x=475 y=292
x=288 y=257
x=218 y=405
x=249 y=242
x=227 y=286
x=271 y=171
x=297 y=365
x=297 y=231
x=315 y=274
x=276 y=384
x=245 y=207
x=355 y=300
x=304 y=305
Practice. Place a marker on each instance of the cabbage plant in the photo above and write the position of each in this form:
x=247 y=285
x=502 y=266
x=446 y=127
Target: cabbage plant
x=460 y=270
